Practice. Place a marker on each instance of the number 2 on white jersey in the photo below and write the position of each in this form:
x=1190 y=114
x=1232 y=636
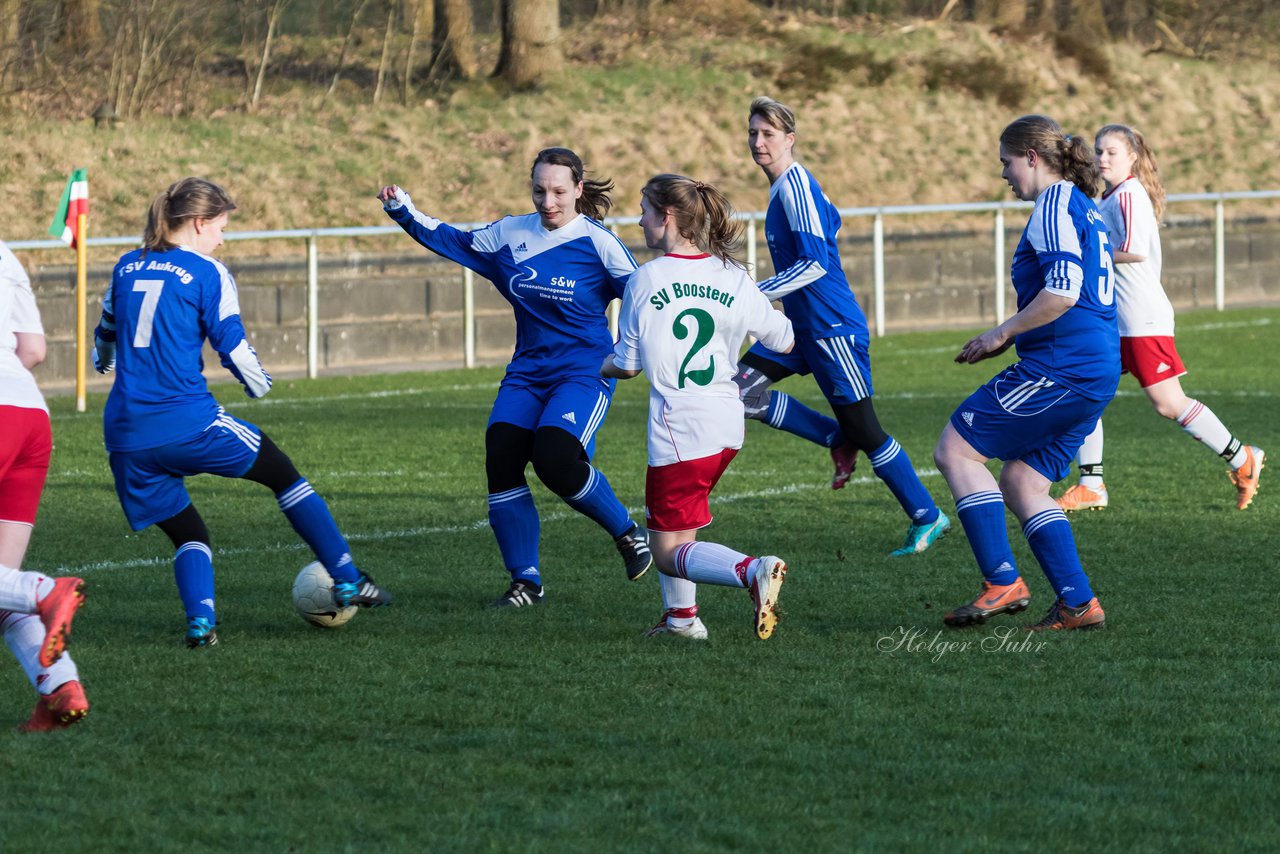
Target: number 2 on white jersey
x=1107 y=281
x=150 y=302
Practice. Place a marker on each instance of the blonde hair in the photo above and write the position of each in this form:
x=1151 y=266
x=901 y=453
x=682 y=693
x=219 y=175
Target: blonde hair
x=1144 y=168
x=779 y=115
x=1066 y=155
x=190 y=198
x=703 y=215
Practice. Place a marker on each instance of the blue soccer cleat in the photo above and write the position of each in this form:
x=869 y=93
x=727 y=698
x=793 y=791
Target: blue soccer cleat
x=201 y=632
x=920 y=537
x=362 y=592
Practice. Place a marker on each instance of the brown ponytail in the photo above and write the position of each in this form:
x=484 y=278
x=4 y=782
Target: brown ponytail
x=1066 y=155
x=703 y=215
x=190 y=198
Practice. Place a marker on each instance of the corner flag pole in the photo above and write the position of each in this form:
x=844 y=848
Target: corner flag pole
x=82 y=298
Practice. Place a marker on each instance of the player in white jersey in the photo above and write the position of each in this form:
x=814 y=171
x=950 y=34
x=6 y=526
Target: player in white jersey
x=1132 y=207
x=684 y=318
x=35 y=610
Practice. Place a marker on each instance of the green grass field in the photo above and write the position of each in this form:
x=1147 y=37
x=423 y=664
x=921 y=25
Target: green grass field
x=438 y=725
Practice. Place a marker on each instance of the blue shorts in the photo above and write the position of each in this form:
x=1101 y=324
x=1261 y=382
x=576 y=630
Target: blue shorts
x=1023 y=415
x=576 y=405
x=841 y=365
x=150 y=482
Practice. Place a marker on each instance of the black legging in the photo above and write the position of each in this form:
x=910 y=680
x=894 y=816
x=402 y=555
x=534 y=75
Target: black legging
x=273 y=469
x=558 y=458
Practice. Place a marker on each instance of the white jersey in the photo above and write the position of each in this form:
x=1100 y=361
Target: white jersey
x=1142 y=309
x=18 y=313
x=683 y=321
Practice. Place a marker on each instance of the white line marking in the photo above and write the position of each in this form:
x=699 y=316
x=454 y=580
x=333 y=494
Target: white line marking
x=411 y=533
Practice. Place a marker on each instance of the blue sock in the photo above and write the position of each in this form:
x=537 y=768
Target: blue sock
x=310 y=517
x=514 y=520
x=193 y=570
x=597 y=502
x=787 y=413
x=982 y=515
x=892 y=465
x=1049 y=535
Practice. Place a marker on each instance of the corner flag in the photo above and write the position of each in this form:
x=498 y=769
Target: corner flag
x=75 y=201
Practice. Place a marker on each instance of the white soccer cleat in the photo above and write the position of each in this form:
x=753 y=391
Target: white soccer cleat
x=694 y=631
x=770 y=574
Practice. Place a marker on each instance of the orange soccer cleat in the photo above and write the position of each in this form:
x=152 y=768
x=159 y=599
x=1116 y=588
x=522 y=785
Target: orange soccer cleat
x=63 y=708
x=995 y=599
x=1062 y=617
x=1247 y=476
x=1081 y=497
x=56 y=612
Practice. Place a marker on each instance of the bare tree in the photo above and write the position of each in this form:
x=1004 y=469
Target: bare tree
x=384 y=58
x=342 y=54
x=257 y=57
x=453 y=54
x=81 y=25
x=530 y=41
x=420 y=16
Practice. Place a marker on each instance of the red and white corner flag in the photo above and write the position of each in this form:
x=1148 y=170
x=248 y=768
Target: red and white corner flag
x=75 y=201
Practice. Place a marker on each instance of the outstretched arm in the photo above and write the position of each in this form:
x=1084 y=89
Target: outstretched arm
x=440 y=237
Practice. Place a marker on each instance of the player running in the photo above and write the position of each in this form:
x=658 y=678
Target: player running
x=683 y=321
x=1034 y=414
x=161 y=424
x=35 y=611
x=559 y=268
x=1132 y=206
x=831 y=332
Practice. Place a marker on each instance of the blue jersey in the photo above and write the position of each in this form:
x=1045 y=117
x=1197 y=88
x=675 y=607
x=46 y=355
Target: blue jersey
x=801 y=226
x=559 y=283
x=1064 y=250
x=159 y=310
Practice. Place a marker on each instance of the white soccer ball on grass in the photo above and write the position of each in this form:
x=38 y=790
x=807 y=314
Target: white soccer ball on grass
x=313 y=597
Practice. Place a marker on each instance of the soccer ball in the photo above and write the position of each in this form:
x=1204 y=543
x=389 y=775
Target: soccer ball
x=313 y=597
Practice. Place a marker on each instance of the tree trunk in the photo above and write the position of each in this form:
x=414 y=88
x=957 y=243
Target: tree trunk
x=530 y=41
x=10 y=23
x=385 y=57
x=1088 y=18
x=453 y=53
x=81 y=25
x=1047 y=15
x=1010 y=14
x=273 y=18
x=342 y=54
x=420 y=17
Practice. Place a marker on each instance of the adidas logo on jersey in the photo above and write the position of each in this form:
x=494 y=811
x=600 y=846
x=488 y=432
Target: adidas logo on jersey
x=1162 y=367
x=968 y=418
x=570 y=417
x=522 y=248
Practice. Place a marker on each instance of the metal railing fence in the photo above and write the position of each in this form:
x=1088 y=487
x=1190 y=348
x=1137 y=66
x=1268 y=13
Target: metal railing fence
x=1000 y=270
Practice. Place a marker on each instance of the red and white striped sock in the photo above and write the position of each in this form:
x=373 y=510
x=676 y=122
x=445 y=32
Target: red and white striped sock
x=710 y=563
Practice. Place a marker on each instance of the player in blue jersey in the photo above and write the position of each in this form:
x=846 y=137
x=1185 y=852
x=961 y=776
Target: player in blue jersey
x=161 y=424
x=559 y=268
x=1035 y=414
x=831 y=332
